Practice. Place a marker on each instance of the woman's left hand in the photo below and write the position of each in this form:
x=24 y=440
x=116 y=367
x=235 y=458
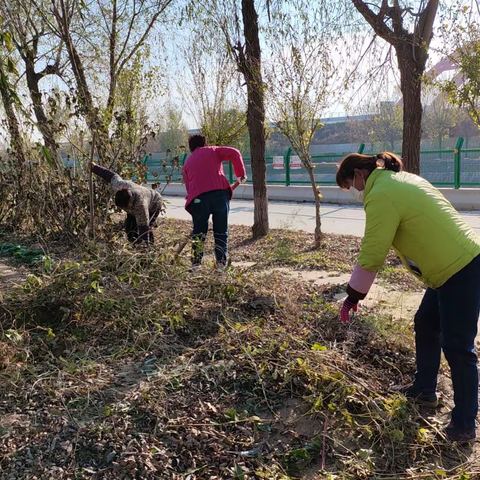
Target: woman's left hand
x=349 y=304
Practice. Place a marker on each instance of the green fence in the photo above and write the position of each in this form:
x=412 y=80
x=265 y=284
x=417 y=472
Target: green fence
x=444 y=168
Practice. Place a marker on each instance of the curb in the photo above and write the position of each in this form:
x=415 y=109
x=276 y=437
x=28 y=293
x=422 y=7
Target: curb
x=461 y=199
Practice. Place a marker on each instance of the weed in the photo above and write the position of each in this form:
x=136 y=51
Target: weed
x=208 y=376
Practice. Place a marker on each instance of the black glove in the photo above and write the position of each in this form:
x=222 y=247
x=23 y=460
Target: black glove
x=143 y=235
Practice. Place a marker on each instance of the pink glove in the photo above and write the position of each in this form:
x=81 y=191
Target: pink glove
x=349 y=304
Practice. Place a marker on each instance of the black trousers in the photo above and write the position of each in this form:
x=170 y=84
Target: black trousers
x=131 y=226
x=447 y=320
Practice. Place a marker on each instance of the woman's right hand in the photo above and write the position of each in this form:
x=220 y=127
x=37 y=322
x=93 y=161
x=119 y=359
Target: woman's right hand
x=350 y=304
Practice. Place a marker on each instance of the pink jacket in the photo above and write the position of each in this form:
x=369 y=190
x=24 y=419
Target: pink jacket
x=203 y=170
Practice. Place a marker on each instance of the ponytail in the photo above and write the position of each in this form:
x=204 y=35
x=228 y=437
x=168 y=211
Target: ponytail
x=384 y=160
x=389 y=161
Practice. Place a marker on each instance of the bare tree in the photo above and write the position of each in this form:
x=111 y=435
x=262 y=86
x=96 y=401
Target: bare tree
x=211 y=88
x=299 y=78
x=391 y=23
x=386 y=125
x=173 y=131
x=124 y=27
x=65 y=13
x=28 y=29
x=249 y=60
x=239 y=24
x=440 y=116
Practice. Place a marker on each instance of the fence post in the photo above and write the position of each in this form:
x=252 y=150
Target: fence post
x=287 y=166
x=361 y=148
x=230 y=172
x=457 y=161
x=183 y=158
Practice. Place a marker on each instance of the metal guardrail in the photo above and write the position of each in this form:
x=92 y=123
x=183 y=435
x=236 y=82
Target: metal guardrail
x=443 y=168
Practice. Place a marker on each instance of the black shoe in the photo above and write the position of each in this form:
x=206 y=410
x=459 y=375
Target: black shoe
x=220 y=266
x=460 y=435
x=429 y=400
x=196 y=267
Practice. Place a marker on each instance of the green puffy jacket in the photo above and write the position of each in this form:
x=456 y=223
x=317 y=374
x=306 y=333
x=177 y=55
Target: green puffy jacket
x=405 y=211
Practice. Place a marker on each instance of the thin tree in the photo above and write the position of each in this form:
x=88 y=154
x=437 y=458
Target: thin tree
x=378 y=123
x=440 y=116
x=211 y=88
x=173 y=132
x=65 y=13
x=386 y=125
x=299 y=77
x=240 y=26
x=249 y=60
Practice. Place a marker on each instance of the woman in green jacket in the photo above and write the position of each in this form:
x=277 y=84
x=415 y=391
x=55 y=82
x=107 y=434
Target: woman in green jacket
x=434 y=242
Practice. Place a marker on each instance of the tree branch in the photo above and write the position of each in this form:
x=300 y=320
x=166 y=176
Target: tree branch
x=424 y=28
x=49 y=70
x=112 y=62
x=376 y=22
x=129 y=32
x=144 y=36
x=383 y=10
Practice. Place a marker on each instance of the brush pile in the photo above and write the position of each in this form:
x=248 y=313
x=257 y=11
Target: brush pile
x=122 y=364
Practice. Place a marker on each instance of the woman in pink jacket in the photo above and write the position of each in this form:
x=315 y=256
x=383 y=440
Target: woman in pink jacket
x=209 y=193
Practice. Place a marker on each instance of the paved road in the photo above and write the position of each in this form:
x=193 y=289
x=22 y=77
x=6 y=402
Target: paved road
x=342 y=219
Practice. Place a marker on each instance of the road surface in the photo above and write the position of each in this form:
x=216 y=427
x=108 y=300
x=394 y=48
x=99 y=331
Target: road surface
x=341 y=219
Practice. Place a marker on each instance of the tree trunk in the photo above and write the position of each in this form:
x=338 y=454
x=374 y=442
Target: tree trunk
x=13 y=125
x=251 y=70
x=113 y=76
x=42 y=121
x=318 y=220
x=411 y=87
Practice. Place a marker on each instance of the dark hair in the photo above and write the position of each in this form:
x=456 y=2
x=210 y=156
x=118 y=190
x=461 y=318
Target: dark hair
x=196 y=141
x=123 y=197
x=385 y=160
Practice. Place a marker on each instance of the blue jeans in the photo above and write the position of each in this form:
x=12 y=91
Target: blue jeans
x=447 y=320
x=217 y=204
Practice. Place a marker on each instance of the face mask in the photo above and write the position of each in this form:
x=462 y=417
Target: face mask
x=357 y=194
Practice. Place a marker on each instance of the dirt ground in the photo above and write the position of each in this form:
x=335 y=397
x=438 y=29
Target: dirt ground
x=131 y=366
x=9 y=274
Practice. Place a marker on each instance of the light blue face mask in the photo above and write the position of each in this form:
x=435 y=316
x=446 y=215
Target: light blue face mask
x=357 y=194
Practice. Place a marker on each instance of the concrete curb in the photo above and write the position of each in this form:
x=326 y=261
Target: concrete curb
x=461 y=199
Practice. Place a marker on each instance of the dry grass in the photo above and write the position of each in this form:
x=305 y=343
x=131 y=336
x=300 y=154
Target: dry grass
x=124 y=364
